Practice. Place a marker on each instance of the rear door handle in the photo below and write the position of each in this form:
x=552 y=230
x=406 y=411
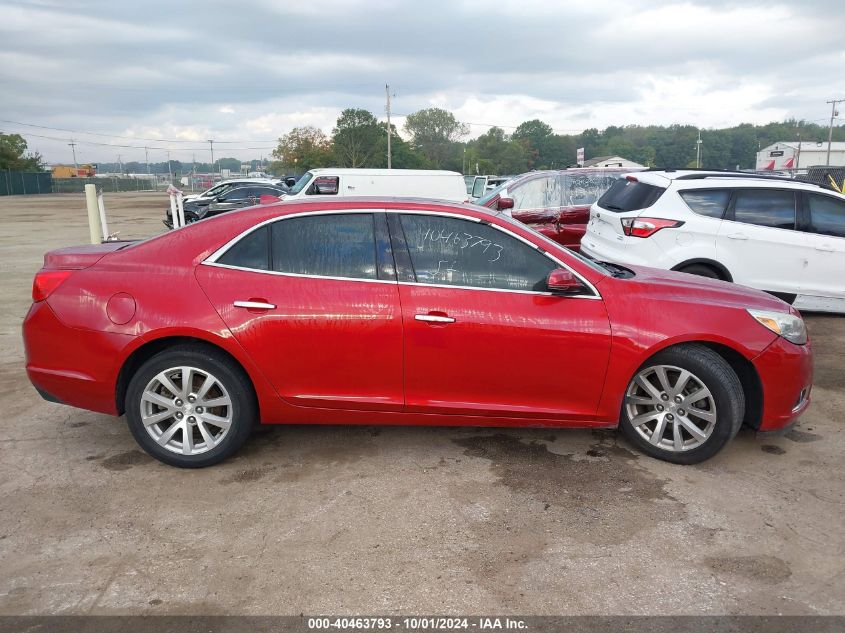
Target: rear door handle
x=254 y=305
x=434 y=318
x=737 y=236
x=825 y=247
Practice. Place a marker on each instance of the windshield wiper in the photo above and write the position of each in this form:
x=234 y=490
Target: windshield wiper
x=616 y=270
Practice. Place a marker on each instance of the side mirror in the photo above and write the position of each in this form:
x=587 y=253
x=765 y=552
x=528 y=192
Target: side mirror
x=563 y=281
x=504 y=203
x=290 y=182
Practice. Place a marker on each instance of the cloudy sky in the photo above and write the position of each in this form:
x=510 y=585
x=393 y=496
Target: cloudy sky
x=174 y=74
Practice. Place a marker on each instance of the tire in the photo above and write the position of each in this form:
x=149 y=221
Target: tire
x=160 y=410
x=717 y=414
x=702 y=270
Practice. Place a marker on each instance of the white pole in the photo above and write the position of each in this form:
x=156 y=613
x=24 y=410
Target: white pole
x=102 y=207
x=181 y=208
x=94 y=228
x=174 y=216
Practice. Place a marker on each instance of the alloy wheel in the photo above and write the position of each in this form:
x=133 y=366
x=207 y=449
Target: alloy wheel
x=671 y=408
x=186 y=410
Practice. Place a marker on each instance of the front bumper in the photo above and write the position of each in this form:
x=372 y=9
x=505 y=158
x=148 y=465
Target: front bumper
x=786 y=375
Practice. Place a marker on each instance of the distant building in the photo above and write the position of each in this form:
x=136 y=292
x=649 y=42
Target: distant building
x=612 y=161
x=787 y=155
x=71 y=171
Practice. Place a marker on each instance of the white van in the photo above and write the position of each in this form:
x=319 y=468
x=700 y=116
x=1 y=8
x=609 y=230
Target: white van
x=405 y=183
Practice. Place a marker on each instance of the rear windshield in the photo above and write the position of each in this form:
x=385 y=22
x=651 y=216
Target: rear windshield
x=629 y=195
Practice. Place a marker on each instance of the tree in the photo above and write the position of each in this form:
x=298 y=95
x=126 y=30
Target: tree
x=13 y=154
x=435 y=134
x=303 y=148
x=232 y=164
x=535 y=137
x=356 y=137
x=494 y=153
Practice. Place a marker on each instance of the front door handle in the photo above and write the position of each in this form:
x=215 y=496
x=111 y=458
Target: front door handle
x=253 y=304
x=434 y=318
x=737 y=236
x=826 y=248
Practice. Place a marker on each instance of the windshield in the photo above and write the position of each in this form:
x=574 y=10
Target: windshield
x=487 y=197
x=216 y=190
x=300 y=184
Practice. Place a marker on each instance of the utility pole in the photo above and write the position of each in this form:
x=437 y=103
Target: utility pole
x=147 y=160
x=73 y=149
x=119 y=165
x=193 y=171
x=211 y=144
x=698 y=151
x=833 y=114
x=389 y=131
x=169 y=170
x=798 y=157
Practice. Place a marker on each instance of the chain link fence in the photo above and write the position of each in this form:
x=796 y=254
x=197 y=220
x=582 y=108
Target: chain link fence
x=15 y=183
x=18 y=183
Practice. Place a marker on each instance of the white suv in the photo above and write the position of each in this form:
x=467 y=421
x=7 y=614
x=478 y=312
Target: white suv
x=775 y=234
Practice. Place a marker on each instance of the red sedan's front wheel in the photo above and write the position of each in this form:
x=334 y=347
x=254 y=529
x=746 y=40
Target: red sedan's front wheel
x=683 y=405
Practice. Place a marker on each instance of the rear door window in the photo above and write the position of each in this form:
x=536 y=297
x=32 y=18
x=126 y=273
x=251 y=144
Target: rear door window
x=251 y=251
x=582 y=190
x=708 y=202
x=827 y=215
x=341 y=245
x=537 y=193
x=629 y=195
x=765 y=207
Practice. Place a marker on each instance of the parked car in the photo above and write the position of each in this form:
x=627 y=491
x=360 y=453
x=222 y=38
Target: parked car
x=221 y=187
x=231 y=198
x=415 y=183
x=478 y=186
x=375 y=311
x=779 y=235
x=555 y=203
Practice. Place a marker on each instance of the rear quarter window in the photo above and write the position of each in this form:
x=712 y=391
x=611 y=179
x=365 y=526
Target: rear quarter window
x=629 y=195
x=708 y=202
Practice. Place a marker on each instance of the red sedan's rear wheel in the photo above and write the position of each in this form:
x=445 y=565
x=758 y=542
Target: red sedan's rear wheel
x=683 y=405
x=190 y=406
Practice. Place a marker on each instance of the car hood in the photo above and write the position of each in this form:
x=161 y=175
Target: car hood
x=668 y=284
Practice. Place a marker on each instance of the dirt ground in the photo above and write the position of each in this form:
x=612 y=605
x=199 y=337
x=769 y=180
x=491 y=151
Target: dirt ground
x=380 y=520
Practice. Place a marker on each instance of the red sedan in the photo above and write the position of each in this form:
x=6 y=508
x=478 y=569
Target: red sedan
x=386 y=311
x=554 y=203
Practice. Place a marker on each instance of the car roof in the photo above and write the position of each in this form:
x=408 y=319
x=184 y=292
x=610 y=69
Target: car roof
x=709 y=179
x=340 y=171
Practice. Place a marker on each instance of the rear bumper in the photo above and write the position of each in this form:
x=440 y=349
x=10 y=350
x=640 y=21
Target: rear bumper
x=786 y=374
x=72 y=366
x=631 y=251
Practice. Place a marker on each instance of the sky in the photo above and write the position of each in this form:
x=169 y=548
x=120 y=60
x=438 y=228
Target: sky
x=118 y=76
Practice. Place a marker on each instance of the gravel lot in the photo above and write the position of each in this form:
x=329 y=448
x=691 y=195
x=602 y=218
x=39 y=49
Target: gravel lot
x=381 y=520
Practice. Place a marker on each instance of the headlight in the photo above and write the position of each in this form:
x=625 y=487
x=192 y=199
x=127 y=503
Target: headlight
x=788 y=326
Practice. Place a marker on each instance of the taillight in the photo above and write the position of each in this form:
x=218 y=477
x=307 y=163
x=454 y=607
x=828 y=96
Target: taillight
x=646 y=227
x=46 y=281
